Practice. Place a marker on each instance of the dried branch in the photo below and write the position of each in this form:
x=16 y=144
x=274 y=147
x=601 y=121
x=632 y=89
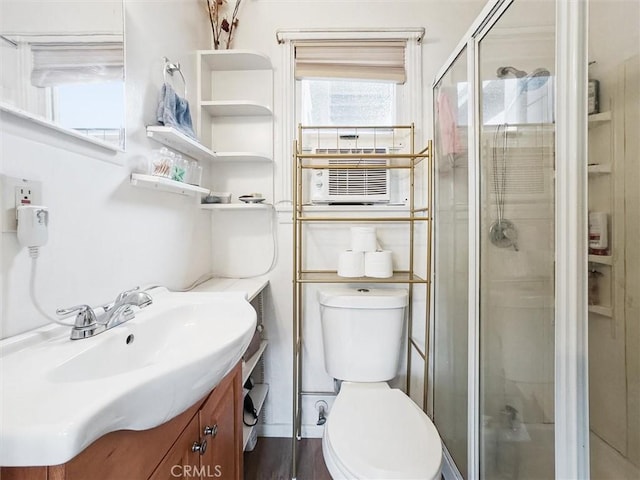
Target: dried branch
x=219 y=23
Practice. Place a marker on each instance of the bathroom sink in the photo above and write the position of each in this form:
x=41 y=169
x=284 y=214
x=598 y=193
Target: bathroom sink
x=59 y=395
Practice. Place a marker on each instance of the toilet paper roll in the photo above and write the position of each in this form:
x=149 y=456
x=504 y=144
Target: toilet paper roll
x=363 y=239
x=351 y=264
x=378 y=264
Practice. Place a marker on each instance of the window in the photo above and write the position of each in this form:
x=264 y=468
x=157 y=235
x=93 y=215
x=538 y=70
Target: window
x=347 y=102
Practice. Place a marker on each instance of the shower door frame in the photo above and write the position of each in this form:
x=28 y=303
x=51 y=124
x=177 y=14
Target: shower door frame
x=571 y=408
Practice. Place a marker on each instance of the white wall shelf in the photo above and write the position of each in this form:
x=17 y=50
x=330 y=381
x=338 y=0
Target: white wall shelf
x=235 y=206
x=245 y=157
x=235 y=108
x=601 y=259
x=601 y=310
x=178 y=141
x=249 y=365
x=599 y=169
x=598 y=119
x=258 y=395
x=225 y=60
x=166 y=185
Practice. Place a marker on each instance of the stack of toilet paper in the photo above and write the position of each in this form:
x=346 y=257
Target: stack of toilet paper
x=365 y=259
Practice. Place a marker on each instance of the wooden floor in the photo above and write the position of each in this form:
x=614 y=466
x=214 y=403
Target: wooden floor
x=271 y=460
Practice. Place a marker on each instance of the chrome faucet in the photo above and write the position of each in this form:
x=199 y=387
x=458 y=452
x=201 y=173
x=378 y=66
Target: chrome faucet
x=88 y=323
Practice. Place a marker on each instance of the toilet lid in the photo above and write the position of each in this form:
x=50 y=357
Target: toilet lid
x=379 y=433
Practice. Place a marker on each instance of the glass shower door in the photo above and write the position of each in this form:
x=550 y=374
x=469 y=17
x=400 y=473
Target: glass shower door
x=516 y=58
x=451 y=255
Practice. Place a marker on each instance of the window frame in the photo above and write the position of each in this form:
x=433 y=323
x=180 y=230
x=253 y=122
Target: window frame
x=409 y=105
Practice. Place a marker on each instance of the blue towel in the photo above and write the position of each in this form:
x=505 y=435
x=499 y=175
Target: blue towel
x=173 y=111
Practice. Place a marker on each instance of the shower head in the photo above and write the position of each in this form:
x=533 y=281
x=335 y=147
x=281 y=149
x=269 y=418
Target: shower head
x=536 y=79
x=532 y=81
x=503 y=72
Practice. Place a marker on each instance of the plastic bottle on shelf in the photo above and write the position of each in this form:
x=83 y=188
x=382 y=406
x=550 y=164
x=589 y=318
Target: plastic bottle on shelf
x=598 y=233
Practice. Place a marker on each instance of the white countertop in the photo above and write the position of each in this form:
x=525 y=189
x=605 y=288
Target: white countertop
x=250 y=286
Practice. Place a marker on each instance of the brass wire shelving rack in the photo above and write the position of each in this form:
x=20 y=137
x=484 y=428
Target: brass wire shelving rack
x=401 y=154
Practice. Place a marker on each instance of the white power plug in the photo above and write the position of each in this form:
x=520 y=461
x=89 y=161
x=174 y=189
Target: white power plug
x=33 y=227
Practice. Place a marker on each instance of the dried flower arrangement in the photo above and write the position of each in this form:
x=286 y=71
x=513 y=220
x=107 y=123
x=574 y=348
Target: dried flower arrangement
x=220 y=25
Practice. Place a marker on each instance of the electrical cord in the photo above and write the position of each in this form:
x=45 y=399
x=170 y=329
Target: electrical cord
x=32 y=290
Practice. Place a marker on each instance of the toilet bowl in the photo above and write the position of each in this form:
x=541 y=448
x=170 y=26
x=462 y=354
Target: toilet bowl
x=372 y=431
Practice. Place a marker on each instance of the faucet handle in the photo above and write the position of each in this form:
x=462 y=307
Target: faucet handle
x=122 y=295
x=85 y=317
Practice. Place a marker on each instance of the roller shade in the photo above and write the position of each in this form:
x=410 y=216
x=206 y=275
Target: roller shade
x=364 y=60
x=63 y=64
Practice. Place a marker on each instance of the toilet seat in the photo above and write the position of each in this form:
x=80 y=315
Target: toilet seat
x=376 y=432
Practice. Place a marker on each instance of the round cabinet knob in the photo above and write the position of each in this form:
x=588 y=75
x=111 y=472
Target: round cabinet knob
x=209 y=430
x=199 y=447
x=318 y=184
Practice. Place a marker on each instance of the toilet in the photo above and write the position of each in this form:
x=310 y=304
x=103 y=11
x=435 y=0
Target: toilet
x=373 y=431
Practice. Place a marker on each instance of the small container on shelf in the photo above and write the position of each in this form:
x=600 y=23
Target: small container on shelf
x=161 y=163
x=179 y=170
x=194 y=173
x=594 y=287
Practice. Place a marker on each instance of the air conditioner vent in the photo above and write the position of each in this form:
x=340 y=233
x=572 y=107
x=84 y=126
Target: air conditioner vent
x=370 y=185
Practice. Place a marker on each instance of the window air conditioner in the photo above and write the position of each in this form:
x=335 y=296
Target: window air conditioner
x=351 y=186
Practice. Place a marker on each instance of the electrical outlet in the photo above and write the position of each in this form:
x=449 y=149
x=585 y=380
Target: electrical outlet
x=23 y=195
x=17 y=191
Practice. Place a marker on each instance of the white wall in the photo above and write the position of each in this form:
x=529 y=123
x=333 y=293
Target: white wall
x=106 y=235
x=445 y=22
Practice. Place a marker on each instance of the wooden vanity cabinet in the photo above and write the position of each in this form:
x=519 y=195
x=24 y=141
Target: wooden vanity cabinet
x=164 y=452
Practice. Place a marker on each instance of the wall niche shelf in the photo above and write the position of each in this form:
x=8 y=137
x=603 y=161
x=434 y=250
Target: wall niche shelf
x=235 y=108
x=245 y=157
x=179 y=142
x=598 y=119
x=258 y=395
x=601 y=259
x=599 y=169
x=601 y=310
x=235 y=206
x=166 y=185
x=224 y=60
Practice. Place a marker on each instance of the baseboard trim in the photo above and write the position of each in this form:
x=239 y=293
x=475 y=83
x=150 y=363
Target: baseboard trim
x=284 y=430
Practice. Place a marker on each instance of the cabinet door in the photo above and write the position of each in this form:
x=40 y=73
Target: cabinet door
x=181 y=461
x=221 y=425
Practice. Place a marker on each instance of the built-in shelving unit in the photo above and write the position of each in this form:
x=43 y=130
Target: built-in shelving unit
x=601 y=155
x=179 y=142
x=166 y=185
x=235 y=119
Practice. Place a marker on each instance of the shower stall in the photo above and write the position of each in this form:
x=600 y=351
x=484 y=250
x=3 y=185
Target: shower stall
x=509 y=389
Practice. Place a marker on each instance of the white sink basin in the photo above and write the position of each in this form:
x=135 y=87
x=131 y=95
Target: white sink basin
x=57 y=395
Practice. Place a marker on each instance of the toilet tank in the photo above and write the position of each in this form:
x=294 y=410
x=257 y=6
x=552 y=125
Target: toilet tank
x=362 y=332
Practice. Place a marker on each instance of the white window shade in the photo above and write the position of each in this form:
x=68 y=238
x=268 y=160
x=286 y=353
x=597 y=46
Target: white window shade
x=364 y=60
x=63 y=64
